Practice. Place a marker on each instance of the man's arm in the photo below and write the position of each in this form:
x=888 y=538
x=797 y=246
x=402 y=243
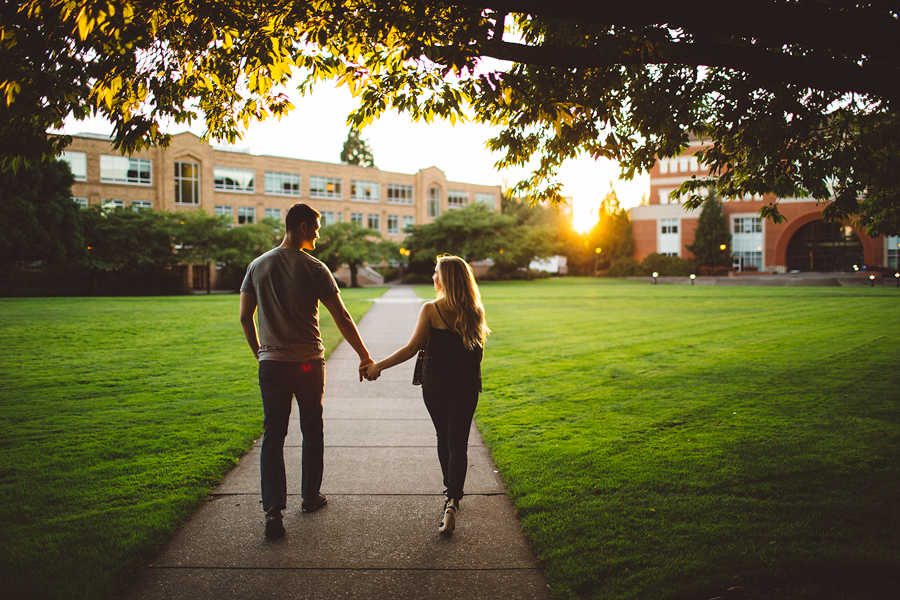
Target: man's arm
x=347 y=327
x=248 y=309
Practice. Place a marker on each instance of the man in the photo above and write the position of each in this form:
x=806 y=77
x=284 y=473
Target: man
x=284 y=286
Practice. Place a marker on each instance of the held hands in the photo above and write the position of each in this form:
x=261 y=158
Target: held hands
x=373 y=372
x=363 y=365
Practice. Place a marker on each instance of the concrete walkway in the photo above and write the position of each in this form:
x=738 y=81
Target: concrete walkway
x=378 y=537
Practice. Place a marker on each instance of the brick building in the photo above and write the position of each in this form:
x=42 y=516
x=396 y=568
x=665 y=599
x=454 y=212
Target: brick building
x=804 y=242
x=192 y=175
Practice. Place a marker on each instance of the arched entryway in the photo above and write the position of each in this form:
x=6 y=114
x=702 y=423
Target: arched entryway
x=824 y=247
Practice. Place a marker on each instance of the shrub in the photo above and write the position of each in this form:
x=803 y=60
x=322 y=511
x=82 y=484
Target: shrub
x=666 y=266
x=417 y=278
x=389 y=273
x=624 y=267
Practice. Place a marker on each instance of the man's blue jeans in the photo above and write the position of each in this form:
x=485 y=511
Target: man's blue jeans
x=279 y=382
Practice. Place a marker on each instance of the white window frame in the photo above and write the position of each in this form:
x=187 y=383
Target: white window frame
x=668 y=240
x=434 y=202
x=325 y=187
x=408 y=221
x=235 y=180
x=141 y=205
x=112 y=203
x=357 y=219
x=181 y=180
x=118 y=169
x=224 y=209
x=246 y=215
x=399 y=193
x=393 y=224
x=283 y=184
x=893 y=251
x=77 y=164
x=365 y=191
x=81 y=201
x=486 y=199
x=373 y=221
x=457 y=199
x=273 y=213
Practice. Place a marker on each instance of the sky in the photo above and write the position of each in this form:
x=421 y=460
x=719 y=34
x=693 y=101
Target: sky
x=317 y=128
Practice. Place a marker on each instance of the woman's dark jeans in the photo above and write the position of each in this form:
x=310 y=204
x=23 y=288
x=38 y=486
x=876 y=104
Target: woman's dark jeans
x=279 y=382
x=451 y=412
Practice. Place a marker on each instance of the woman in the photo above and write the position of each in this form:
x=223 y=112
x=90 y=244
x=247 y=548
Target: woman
x=452 y=330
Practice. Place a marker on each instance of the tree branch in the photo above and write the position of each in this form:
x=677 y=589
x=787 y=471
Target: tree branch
x=851 y=30
x=767 y=66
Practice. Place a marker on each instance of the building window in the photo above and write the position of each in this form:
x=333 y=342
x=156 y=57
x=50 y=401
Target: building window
x=364 y=191
x=669 y=241
x=399 y=194
x=393 y=224
x=325 y=187
x=82 y=202
x=233 y=179
x=486 y=199
x=893 y=253
x=375 y=222
x=668 y=226
x=747 y=225
x=408 y=221
x=747 y=241
x=111 y=203
x=273 y=213
x=121 y=169
x=283 y=184
x=457 y=199
x=434 y=202
x=356 y=219
x=137 y=205
x=223 y=210
x=187 y=183
x=246 y=215
x=77 y=164
x=327 y=218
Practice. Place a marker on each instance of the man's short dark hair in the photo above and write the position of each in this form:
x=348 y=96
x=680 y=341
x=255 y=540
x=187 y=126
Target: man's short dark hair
x=301 y=213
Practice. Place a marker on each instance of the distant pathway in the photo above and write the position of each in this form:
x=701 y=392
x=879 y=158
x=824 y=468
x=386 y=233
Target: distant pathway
x=377 y=538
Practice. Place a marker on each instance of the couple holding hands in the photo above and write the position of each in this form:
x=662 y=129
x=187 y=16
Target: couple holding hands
x=283 y=288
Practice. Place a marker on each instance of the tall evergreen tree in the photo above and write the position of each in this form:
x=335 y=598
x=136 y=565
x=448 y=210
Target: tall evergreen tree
x=612 y=234
x=356 y=150
x=711 y=234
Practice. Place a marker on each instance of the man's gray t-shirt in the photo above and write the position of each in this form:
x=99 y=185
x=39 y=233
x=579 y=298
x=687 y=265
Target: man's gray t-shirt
x=288 y=285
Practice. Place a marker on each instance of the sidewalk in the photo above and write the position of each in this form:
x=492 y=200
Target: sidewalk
x=377 y=538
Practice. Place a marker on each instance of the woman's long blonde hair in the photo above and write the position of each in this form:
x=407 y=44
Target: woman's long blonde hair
x=462 y=296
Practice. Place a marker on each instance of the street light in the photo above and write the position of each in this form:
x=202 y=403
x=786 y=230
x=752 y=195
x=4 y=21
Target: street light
x=655 y=275
x=597 y=251
x=693 y=277
x=872 y=279
x=897 y=278
x=403 y=252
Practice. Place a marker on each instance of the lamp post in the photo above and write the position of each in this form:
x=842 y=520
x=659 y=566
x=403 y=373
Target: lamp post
x=897 y=279
x=871 y=281
x=403 y=253
x=693 y=277
x=655 y=275
x=722 y=251
x=597 y=252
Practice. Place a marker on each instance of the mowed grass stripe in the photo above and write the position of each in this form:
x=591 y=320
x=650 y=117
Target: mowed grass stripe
x=118 y=415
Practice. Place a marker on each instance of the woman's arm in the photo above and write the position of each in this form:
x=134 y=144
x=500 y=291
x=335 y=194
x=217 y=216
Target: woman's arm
x=416 y=342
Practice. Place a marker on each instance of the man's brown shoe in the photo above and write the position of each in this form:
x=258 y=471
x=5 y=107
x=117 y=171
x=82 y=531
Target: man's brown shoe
x=313 y=505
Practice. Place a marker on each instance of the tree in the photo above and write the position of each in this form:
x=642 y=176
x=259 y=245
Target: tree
x=712 y=239
x=473 y=233
x=354 y=246
x=356 y=151
x=612 y=234
x=794 y=97
x=40 y=219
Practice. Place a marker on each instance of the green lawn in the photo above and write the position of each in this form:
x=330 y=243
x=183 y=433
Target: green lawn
x=660 y=442
x=696 y=442
x=118 y=415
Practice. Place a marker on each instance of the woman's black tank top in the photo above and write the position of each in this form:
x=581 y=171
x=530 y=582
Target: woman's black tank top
x=448 y=363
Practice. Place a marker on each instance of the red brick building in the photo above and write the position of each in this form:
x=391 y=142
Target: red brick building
x=804 y=242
